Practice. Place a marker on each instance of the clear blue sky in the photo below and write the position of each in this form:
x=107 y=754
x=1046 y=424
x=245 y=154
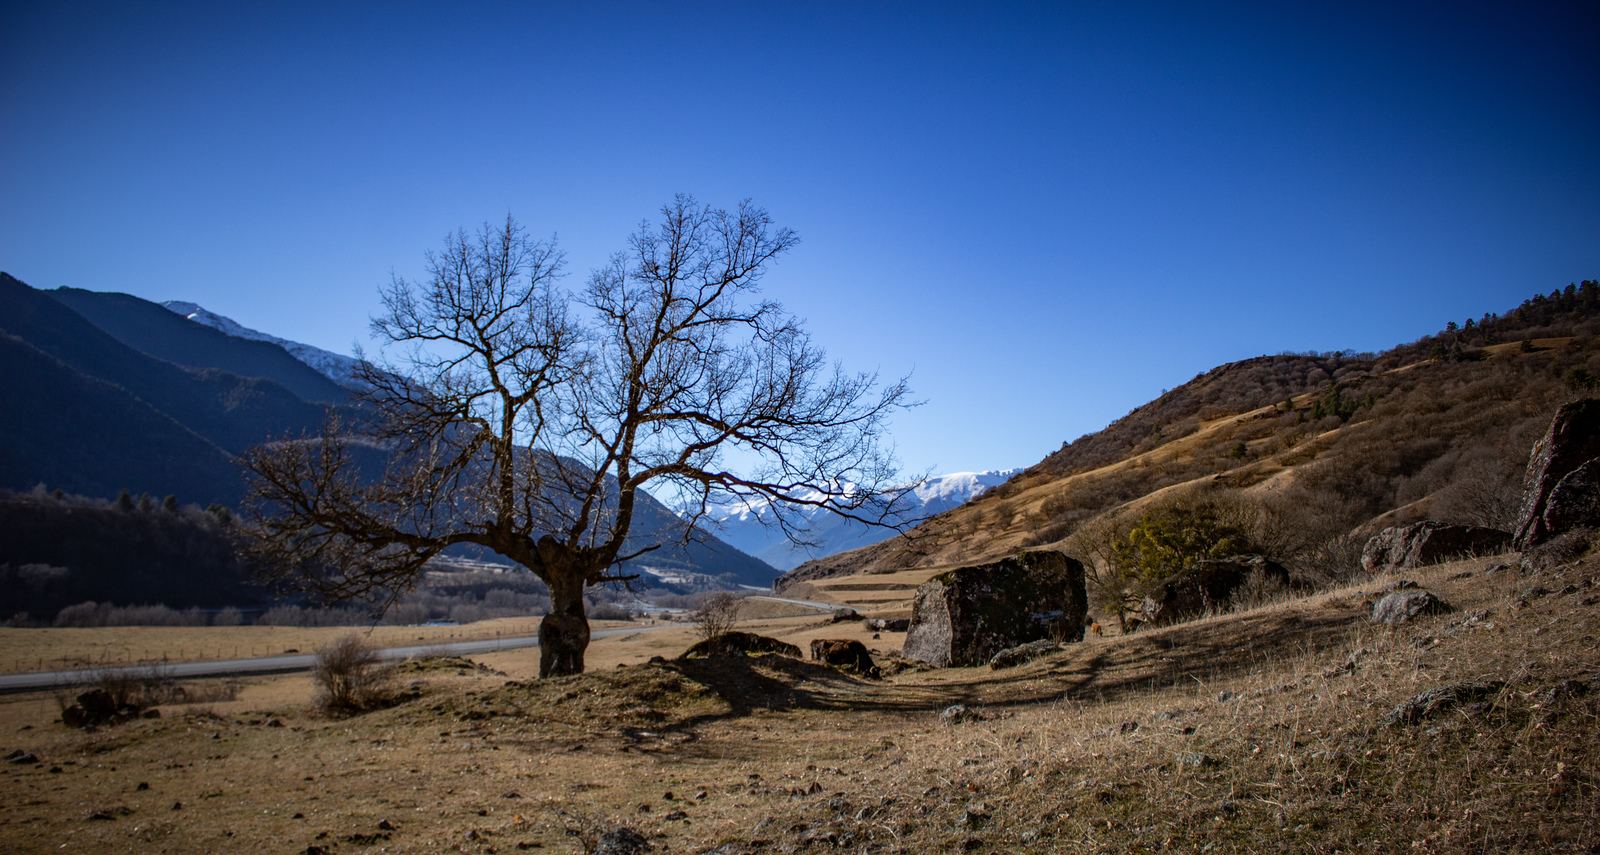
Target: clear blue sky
x=1048 y=213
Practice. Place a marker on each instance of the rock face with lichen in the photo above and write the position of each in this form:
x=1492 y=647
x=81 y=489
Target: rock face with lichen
x=1572 y=441
x=1428 y=542
x=967 y=615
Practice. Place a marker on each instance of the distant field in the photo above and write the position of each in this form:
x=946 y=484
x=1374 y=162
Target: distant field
x=73 y=647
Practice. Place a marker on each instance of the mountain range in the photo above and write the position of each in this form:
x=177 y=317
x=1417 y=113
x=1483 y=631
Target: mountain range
x=104 y=392
x=749 y=525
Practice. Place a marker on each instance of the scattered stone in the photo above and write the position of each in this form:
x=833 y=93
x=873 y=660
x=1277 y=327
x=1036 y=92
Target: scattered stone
x=842 y=615
x=1349 y=664
x=1434 y=701
x=1428 y=542
x=965 y=616
x=1225 y=696
x=1196 y=760
x=274 y=722
x=889 y=625
x=845 y=653
x=1497 y=570
x=1014 y=656
x=1533 y=593
x=385 y=825
x=675 y=815
x=959 y=714
x=728 y=849
x=621 y=840
x=1572 y=441
x=143 y=785
x=1402 y=606
x=111 y=813
x=1563 y=690
x=977 y=815
x=1127 y=727
x=740 y=644
x=21 y=758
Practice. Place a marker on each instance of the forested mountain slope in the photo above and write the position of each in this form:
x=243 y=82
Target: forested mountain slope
x=154 y=329
x=1330 y=443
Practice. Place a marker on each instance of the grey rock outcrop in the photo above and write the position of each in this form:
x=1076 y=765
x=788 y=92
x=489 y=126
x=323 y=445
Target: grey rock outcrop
x=1575 y=500
x=1021 y=654
x=1208 y=583
x=1572 y=441
x=967 y=615
x=1401 y=606
x=1428 y=542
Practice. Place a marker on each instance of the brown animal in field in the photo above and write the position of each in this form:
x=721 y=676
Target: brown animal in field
x=844 y=652
x=1095 y=628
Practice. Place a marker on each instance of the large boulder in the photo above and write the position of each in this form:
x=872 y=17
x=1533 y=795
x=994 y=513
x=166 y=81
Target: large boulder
x=1574 y=501
x=740 y=644
x=967 y=615
x=1428 y=542
x=1207 y=584
x=1572 y=440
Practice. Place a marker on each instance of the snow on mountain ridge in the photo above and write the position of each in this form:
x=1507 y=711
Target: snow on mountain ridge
x=747 y=524
x=339 y=369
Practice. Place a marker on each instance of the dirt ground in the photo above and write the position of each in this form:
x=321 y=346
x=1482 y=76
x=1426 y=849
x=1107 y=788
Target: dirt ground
x=1255 y=732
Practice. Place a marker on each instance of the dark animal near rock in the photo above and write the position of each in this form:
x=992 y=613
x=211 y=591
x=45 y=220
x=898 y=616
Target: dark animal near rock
x=966 y=616
x=844 y=652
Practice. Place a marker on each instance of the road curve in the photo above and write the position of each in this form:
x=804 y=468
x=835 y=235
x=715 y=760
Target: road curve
x=37 y=680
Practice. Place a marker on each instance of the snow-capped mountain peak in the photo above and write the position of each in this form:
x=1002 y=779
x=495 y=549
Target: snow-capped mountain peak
x=340 y=369
x=748 y=523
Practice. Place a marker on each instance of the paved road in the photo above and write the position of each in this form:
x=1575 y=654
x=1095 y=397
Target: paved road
x=827 y=607
x=273 y=664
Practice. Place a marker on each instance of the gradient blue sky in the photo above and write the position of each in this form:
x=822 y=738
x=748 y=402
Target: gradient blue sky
x=1047 y=212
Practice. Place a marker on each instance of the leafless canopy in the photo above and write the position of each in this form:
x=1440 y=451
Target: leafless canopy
x=523 y=418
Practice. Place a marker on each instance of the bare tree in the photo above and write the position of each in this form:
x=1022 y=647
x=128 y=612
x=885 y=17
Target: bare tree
x=525 y=419
x=716 y=614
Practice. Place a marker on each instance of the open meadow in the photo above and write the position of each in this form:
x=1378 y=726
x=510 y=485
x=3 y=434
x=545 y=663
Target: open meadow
x=1259 y=731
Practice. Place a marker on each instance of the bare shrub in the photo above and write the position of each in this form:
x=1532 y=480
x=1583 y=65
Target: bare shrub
x=350 y=676
x=716 y=613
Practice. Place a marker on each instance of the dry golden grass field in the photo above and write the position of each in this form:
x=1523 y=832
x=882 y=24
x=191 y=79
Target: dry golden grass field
x=1260 y=731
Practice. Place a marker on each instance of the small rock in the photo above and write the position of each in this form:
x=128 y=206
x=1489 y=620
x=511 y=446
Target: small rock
x=1196 y=760
x=1402 y=606
x=273 y=722
x=1127 y=727
x=143 y=785
x=977 y=815
x=621 y=840
x=959 y=714
x=21 y=758
x=675 y=815
x=1225 y=696
x=386 y=825
x=1533 y=592
x=1427 y=704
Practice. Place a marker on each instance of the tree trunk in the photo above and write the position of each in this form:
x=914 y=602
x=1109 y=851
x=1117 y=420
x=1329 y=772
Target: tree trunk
x=564 y=632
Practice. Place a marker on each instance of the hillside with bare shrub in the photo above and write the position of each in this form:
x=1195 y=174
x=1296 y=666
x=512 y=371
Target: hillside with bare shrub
x=1319 y=450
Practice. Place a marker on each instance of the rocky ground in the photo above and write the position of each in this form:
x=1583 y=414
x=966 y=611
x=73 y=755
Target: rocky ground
x=1302 y=726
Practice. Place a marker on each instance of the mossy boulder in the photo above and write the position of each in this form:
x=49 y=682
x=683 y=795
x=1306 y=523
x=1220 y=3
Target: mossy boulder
x=740 y=644
x=967 y=615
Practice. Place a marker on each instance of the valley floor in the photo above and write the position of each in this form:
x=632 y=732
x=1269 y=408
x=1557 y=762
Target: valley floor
x=1255 y=732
